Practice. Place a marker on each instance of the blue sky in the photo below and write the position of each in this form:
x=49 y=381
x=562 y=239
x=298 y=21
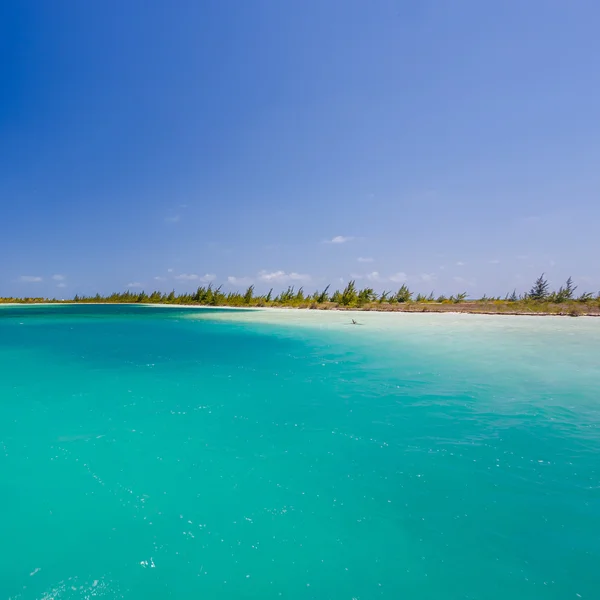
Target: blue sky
x=451 y=145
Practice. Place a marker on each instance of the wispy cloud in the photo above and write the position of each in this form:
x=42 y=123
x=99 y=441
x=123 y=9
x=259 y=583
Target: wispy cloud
x=61 y=285
x=460 y=263
x=134 y=284
x=239 y=280
x=464 y=281
x=59 y=277
x=169 y=270
x=159 y=278
x=363 y=259
x=427 y=277
x=271 y=277
x=339 y=239
x=30 y=279
x=194 y=277
x=377 y=277
x=283 y=277
x=173 y=219
x=400 y=277
x=494 y=262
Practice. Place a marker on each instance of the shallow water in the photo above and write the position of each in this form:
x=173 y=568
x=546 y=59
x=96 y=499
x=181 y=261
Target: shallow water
x=163 y=452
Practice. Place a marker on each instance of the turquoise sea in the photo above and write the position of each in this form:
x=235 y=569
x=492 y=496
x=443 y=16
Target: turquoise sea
x=150 y=453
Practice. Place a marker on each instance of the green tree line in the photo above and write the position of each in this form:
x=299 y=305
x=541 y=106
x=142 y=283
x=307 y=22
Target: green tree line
x=348 y=297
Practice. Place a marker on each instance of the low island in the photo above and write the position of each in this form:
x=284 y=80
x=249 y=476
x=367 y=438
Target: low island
x=539 y=300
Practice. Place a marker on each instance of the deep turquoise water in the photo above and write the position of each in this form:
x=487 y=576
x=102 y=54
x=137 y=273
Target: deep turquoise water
x=174 y=453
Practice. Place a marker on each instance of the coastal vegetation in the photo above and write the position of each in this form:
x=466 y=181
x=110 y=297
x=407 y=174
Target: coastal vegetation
x=538 y=300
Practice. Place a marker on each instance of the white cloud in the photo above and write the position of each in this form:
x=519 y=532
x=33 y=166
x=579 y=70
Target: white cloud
x=30 y=279
x=193 y=277
x=173 y=219
x=494 y=262
x=460 y=263
x=375 y=276
x=134 y=284
x=61 y=285
x=58 y=277
x=427 y=277
x=187 y=277
x=159 y=278
x=464 y=281
x=270 y=277
x=169 y=270
x=239 y=280
x=362 y=259
x=339 y=239
x=283 y=277
x=399 y=277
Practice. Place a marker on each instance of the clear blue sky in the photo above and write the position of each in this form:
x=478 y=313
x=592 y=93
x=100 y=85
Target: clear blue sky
x=454 y=145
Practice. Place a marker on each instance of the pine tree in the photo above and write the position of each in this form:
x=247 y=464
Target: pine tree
x=403 y=294
x=337 y=297
x=249 y=294
x=350 y=295
x=565 y=293
x=323 y=296
x=539 y=291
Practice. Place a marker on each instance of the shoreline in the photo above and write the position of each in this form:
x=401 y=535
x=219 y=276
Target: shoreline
x=414 y=308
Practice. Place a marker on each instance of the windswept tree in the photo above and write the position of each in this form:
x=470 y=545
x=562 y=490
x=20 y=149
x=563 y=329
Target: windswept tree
x=218 y=297
x=403 y=294
x=286 y=297
x=565 y=292
x=458 y=298
x=366 y=295
x=350 y=294
x=337 y=297
x=322 y=297
x=539 y=291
